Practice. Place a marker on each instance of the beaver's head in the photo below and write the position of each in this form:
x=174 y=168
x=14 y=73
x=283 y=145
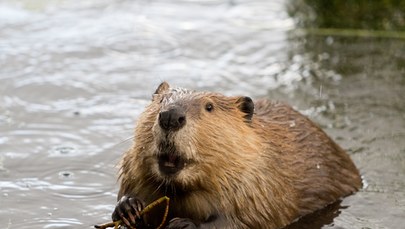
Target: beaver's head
x=188 y=138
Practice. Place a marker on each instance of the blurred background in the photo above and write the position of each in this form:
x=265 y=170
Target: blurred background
x=74 y=76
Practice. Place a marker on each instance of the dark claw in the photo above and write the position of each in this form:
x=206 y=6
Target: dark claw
x=137 y=206
x=132 y=219
x=128 y=210
x=181 y=223
x=126 y=222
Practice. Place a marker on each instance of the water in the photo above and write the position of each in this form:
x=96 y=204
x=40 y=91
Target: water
x=75 y=76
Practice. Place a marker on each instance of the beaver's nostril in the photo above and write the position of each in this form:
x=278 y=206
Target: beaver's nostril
x=181 y=119
x=173 y=119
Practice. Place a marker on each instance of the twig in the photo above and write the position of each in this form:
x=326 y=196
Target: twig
x=114 y=224
x=147 y=209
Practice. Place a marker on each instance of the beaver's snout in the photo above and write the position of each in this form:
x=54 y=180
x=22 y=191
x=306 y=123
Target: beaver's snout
x=173 y=119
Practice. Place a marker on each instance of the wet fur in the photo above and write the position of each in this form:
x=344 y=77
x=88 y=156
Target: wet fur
x=259 y=170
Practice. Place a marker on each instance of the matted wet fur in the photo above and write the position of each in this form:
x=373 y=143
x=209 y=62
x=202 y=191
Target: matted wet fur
x=229 y=162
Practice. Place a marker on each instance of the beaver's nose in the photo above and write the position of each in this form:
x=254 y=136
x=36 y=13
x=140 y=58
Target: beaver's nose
x=173 y=119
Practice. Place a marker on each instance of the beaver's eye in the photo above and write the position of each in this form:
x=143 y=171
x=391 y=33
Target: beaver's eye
x=209 y=107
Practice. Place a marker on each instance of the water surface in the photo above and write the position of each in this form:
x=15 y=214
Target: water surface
x=75 y=76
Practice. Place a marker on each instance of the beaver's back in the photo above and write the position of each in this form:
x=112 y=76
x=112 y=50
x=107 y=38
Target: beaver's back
x=320 y=170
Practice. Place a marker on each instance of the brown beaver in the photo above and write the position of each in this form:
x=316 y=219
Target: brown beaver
x=229 y=162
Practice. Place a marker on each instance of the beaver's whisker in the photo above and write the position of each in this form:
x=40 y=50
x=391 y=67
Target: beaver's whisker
x=157 y=189
x=166 y=185
x=124 y=141
x=173 y=189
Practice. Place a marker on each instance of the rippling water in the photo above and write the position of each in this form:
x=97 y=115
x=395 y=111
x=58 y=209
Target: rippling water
x=74 y=77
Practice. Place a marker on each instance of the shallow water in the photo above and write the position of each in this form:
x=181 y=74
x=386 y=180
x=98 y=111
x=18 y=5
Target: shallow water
x=74 y=77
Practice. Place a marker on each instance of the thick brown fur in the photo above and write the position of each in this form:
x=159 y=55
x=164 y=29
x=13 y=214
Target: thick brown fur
x=259 y=170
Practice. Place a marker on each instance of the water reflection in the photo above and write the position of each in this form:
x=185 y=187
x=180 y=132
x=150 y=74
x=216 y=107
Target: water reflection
x=358 y=14
x=359 y=81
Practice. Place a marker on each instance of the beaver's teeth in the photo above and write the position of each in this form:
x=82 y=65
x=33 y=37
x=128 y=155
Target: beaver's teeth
x=169 y=164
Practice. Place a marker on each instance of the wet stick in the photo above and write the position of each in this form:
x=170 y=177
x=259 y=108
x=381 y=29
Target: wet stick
x=110 y=224
x=148 y=208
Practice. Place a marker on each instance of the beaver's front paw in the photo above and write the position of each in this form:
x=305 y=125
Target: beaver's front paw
x=128 y=210
x=181 y=223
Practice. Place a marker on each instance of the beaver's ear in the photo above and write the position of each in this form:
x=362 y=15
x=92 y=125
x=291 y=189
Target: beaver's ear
x=163 y=87
x=246 y=105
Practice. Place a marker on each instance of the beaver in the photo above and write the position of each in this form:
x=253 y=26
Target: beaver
x=229 y=162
